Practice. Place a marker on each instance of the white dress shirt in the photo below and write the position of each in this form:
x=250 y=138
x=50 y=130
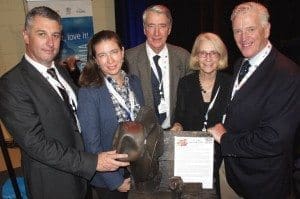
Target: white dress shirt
x=165 y=69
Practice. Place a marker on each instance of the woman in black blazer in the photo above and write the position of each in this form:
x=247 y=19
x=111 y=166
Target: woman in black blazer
x=203 y=95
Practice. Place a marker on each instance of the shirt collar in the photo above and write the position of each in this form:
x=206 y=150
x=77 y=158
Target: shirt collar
x=259 y=57
x=151 y=53
x=41 y=68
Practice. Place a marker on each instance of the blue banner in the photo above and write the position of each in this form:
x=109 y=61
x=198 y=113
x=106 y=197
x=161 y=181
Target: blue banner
x=77 y=32
x=77 y=22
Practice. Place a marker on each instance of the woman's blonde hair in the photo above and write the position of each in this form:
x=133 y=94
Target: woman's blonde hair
x=218 y=44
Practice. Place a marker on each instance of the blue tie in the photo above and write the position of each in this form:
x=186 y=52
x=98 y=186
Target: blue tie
x=157 y=92
x=244 y=70
x=158 y=69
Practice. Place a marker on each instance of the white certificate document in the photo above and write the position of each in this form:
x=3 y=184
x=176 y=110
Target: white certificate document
x=194 y=160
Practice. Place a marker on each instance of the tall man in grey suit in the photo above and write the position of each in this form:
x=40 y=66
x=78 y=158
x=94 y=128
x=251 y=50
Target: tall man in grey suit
x=40 y=112
x=159 y=65
x=259 y=130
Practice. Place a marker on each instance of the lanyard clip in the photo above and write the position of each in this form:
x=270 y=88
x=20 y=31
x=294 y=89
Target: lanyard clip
x=204 y=126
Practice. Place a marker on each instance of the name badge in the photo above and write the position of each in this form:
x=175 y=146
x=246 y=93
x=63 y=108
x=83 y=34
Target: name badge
x=162 y=107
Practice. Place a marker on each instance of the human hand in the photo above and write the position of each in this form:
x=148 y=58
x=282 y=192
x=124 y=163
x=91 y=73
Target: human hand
x=176 y=127
x=125 y=186
x=107 y=161
x=217 y=131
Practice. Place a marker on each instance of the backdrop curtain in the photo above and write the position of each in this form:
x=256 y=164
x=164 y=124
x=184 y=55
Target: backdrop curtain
x=129 y=23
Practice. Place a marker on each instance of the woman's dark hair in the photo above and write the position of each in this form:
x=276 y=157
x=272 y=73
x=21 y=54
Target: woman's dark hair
x=91 y=74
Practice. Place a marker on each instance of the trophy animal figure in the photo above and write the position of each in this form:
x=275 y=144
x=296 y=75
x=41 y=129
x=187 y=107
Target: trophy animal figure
x=142 y=140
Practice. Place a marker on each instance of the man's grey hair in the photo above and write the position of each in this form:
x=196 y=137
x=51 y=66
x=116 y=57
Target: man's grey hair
x=252 y=7
x=160 y=9
x=42 y=11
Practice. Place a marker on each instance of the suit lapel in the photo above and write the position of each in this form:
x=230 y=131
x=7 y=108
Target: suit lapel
x=39 y=83
x=145 y=73
x=196 y=91
x=255 y=79
x=64 y=74
x=106 y=102
x=173 y=72
x=174 y=75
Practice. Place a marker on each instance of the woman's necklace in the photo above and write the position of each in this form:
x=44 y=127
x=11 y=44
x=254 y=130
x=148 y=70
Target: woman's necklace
x=206 y=88
x=202 y=90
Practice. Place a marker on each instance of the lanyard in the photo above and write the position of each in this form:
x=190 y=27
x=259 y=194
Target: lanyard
x=54 y=82
x=73 y=104
x=210 y=106
x=255 y=62
x=237 y=86
x=59 y=84
x=121 y=100
x=156 y=74
x=160 y=81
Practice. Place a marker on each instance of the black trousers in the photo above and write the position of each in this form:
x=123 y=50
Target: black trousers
x=89 y=192
x=296 y=177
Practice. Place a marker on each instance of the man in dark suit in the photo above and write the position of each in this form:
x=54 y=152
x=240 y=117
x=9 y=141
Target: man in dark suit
x=40 y=112
x=159 y=76
x=257 y=136
x=296 y=174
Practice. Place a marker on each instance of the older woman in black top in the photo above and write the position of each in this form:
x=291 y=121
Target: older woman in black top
x=202 y=96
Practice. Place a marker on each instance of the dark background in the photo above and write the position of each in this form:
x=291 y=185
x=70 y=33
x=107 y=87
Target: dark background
x=191 y=17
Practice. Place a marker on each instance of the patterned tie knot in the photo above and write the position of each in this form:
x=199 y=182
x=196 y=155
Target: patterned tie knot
x=52 y=72
x=244 y=70
x=156 y=58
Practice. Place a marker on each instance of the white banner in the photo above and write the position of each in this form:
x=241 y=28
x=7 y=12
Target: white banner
x=65 y=8
x=194 y=160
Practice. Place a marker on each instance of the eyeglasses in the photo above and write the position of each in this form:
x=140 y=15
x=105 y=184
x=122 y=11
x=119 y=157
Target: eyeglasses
x=212 y=54
x=112 y=54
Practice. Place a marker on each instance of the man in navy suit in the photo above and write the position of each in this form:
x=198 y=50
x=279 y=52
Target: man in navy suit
x=39 y=110
x=296 y=175
x=258 y=132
